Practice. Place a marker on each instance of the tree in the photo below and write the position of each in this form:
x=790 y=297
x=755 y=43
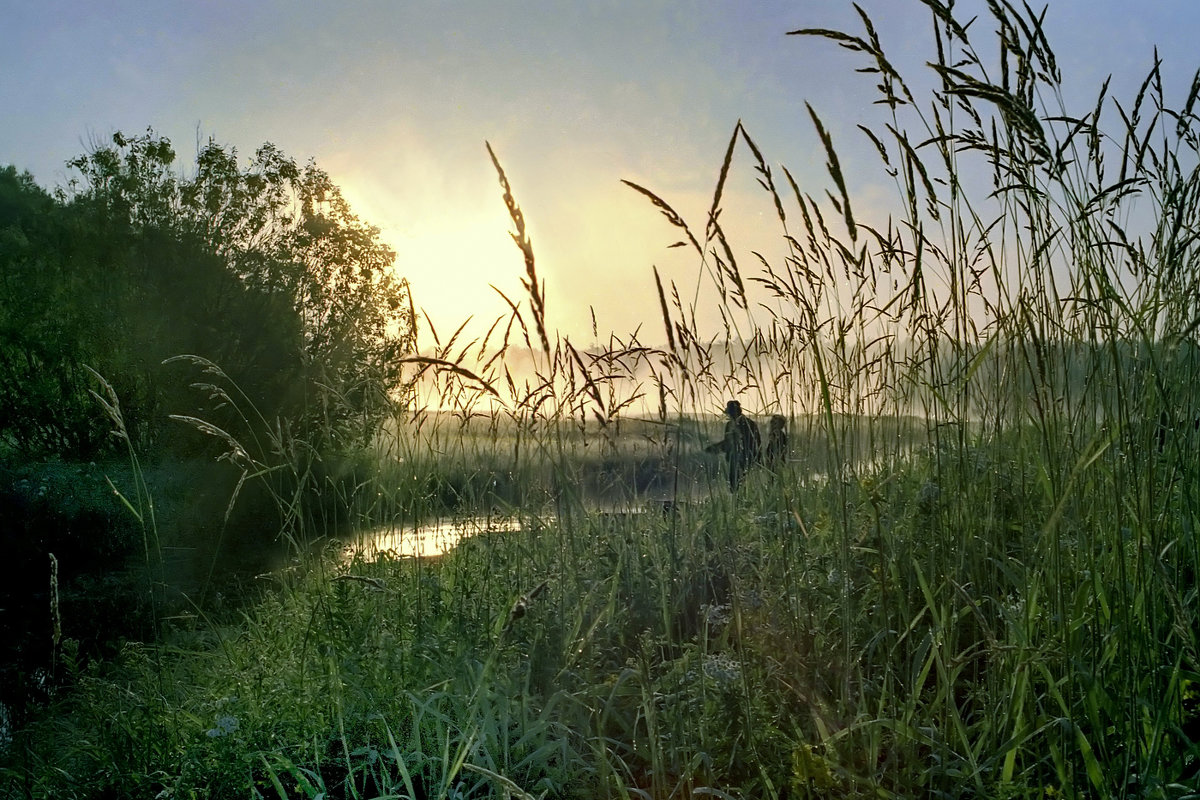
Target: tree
x=42 y=399
x=263 y=270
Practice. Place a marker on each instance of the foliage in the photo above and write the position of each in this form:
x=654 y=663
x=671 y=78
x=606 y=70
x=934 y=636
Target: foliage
x=259 y=267
x=262 y=269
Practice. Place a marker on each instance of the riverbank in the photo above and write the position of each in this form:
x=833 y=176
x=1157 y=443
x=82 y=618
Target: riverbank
x=878 y=634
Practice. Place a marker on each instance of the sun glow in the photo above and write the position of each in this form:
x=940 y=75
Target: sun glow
x=449 y=248
x=593 y=254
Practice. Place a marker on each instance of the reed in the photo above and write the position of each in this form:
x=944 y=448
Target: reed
x=975 y=576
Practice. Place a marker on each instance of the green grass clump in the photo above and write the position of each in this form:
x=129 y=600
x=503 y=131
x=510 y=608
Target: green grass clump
x=728 y=643
x=912 y=635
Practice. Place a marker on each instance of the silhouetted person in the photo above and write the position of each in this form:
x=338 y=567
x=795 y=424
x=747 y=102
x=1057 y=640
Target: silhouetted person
x=777 y=442
x=740 y=445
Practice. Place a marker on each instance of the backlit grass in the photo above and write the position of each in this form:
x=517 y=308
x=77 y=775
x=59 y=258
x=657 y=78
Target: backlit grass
x=975 y=577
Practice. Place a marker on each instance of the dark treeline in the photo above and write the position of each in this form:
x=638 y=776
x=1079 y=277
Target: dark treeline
x=293 y=325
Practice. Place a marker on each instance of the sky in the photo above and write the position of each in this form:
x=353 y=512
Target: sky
x=397 y=99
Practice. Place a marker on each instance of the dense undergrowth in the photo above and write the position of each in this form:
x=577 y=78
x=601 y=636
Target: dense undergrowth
x=975 y=577
x=942 y=624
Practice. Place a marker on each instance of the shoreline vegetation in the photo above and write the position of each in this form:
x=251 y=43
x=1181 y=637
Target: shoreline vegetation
x=974 y=576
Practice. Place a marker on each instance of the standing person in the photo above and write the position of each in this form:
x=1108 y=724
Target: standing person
x=777 y=442
x=740 y=445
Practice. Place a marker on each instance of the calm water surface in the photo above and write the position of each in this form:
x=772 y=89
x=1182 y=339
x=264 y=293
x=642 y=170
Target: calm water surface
x=425 y=541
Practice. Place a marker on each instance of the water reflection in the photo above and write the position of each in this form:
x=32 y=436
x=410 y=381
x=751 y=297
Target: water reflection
x=425 y=541
x=436 y=538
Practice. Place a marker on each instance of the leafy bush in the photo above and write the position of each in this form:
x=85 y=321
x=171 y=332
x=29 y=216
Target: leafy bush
x=261 y=269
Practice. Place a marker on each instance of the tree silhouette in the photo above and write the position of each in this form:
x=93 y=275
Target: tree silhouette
x=262 y=269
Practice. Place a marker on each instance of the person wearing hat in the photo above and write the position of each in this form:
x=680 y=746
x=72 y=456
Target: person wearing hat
x=740 y=445
x=777 y=442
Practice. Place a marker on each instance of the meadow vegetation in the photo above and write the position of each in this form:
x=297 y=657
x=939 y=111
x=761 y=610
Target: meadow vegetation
x=128 y=286
x=975 y=577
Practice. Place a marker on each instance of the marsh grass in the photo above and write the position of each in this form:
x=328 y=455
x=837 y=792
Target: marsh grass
x=977 y=577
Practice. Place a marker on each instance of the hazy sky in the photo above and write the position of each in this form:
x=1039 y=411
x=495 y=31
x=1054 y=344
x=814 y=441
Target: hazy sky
x=396 y=99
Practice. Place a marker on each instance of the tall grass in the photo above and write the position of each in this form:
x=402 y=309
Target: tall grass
x=977 y=575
